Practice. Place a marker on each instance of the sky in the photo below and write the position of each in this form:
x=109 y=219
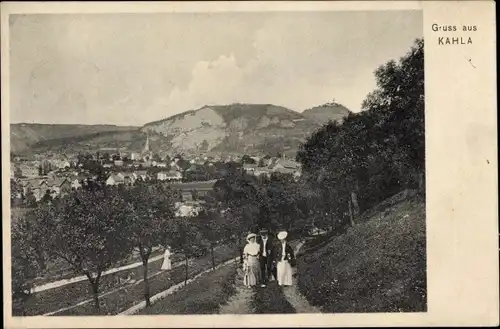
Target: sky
x=130 y=69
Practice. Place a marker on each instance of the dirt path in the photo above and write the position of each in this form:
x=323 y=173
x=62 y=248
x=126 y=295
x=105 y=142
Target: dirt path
x=241 y=301
x=293 y=295
x=271 y=299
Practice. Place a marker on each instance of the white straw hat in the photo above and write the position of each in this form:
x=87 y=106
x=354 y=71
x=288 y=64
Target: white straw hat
x=251 y=235
x=282 y=235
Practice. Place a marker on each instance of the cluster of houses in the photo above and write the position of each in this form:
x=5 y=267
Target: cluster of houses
x=274 y=165
x=54 y=186
x=189 y=205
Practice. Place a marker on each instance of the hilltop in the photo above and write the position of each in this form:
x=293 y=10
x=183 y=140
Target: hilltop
x=324 y=113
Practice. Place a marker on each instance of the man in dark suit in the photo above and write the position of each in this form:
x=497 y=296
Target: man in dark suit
x=266 y=257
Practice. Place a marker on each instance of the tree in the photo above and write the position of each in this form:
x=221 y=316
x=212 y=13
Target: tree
x=47 y=197
x=246 y=159
x=30 y=199
x=35 y=222
x=212 y=227
x=151 y=224
x=187 y=238
x=15 y=192
x=399 y=99
x=24 y=264
x=91 y=233
x=377 y=152
x=156 y=157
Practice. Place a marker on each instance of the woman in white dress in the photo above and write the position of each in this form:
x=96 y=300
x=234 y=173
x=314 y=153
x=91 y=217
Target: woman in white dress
x=167 y=263
x=285 y=259
x=251 y=265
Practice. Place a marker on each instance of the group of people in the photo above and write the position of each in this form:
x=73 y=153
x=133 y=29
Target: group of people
x=265 y=259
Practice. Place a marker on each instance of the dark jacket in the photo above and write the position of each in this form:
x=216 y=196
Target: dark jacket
x=289 y=255
x=269 y=247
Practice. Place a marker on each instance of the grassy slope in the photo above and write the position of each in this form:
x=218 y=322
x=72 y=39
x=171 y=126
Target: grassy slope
x=376 y=266
x=204 y=296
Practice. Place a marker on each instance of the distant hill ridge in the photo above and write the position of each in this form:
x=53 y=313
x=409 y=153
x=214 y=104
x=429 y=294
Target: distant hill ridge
x=234 y=128
x=25 y=135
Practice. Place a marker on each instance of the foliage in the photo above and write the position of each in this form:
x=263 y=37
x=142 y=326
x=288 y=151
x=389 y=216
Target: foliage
x=151 y=221
x=91 y=232
x=379 y=151
x=25 y=266
x=187 y=239
x=16 y=192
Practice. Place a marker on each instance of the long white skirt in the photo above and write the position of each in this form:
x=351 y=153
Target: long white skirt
x=167 y=264
x=284 y=273
x=252 y=272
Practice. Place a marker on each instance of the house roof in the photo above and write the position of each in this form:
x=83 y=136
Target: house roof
x=56 y=181
x=194 y=185
x=288 y=164
x=284 y=171
x=116 y=178
x=250 y=165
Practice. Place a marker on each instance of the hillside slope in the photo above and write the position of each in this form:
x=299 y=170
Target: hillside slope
x=234 y=128
x=26 y=135
x=324 y=113
x=376 y=266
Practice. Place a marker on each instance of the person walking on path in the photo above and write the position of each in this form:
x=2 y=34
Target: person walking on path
x=266 y=257
x=167 y=262
x=251 y=261
x=285 y=259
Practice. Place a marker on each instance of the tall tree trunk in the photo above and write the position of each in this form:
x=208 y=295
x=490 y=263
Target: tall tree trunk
x=95 y=293
x=41 y=259
x=240 y=250
x=421 y=179
x=351 y=214
x=212 y=253
x=333 y=221
x=146 y=282
x=355 y=204
x=186 y=277
x=145 y=253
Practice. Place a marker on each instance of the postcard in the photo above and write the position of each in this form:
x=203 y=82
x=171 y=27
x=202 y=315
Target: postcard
x=249 y=164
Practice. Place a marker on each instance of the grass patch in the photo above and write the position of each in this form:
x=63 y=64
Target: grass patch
x=376 y=266
x=203 y=296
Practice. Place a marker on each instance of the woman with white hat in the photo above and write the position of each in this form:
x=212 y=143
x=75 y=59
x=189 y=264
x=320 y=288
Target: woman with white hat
x=167 y=262
x=251 y=263
x=285 y=259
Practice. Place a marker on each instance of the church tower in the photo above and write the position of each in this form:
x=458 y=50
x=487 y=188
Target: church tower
x=146 y=152
x=146 y=146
